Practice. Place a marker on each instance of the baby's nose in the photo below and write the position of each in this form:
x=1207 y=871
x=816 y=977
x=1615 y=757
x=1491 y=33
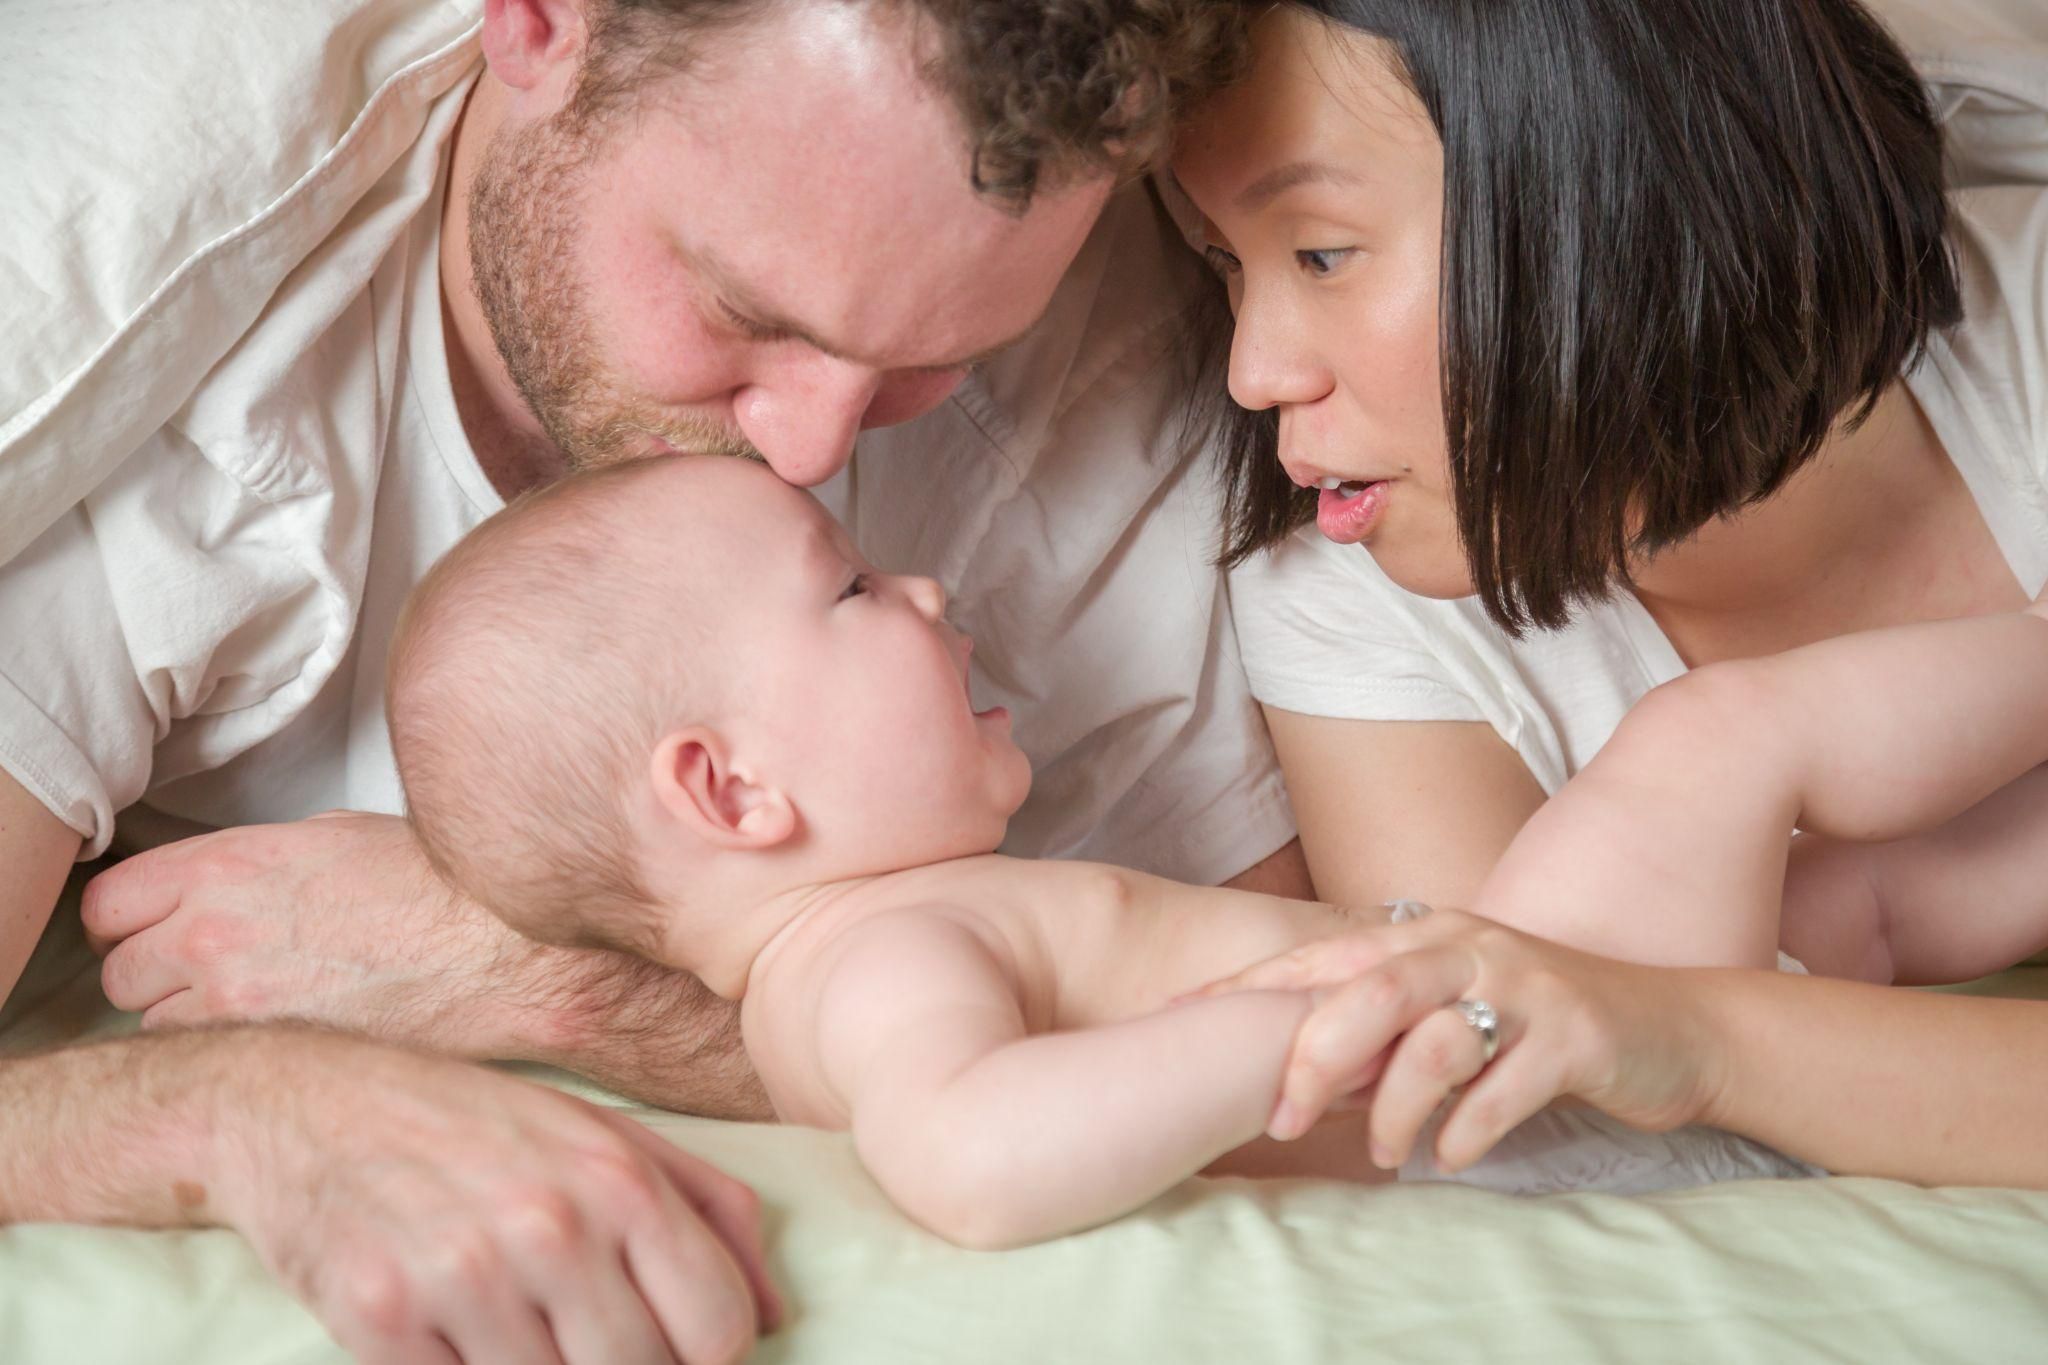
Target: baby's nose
x=928 y=596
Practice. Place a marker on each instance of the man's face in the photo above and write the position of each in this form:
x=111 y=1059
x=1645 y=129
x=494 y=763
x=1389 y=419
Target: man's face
x=766 y=253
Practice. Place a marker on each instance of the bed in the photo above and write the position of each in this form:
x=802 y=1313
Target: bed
x=1218 y=1270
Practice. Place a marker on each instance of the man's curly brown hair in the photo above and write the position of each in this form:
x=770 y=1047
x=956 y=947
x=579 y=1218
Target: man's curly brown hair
x=1047 y=90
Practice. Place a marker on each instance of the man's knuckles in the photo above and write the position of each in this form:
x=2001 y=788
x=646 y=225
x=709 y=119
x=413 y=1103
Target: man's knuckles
x=621 y=1185
x=209 y=942
x=368 y=1296
x=233 y=999
x=541 y=1225
x=462 y=1265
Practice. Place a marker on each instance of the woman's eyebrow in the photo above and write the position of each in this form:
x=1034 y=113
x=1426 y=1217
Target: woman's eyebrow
x=1285 y=177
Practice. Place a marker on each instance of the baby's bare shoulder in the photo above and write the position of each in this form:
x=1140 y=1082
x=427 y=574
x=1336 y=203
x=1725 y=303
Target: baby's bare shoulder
x=858 y=975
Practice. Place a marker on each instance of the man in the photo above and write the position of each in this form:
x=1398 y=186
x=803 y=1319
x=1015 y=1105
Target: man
x=650 y=225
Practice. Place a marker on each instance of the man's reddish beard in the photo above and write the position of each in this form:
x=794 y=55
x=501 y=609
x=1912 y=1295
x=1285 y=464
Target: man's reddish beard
x=524 y=227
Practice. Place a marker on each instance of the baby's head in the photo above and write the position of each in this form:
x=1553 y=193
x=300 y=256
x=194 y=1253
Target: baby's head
x=657 y=694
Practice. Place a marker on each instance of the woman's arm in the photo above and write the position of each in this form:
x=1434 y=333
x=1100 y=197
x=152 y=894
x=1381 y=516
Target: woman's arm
x=36 y=853
x=1860 y=1079
x=1876 y=1080
x=1392 y=810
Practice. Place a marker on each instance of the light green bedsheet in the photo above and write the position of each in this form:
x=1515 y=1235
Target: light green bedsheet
x=1842 y=1270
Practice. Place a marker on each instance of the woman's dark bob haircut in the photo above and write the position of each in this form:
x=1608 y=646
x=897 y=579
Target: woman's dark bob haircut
x=1682 y=240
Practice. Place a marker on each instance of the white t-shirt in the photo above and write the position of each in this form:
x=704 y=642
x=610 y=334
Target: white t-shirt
x=1326 y=633
x=206 y=629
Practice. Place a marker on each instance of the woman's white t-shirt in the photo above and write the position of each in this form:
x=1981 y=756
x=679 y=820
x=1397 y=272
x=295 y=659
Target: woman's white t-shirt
x=1325 y=633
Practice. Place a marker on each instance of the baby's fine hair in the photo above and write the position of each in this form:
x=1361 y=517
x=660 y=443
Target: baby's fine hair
x=532 y=672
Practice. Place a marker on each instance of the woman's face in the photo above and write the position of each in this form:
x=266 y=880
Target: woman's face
x=1320 y=181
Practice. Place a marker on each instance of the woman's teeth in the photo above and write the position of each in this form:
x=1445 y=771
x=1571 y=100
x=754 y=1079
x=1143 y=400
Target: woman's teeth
x=1348 y=487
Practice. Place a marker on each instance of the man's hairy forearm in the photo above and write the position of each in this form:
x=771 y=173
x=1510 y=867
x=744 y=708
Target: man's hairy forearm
x=121 y=1131
x=657 y=1035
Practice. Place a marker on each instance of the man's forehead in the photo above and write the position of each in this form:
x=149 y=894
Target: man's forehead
x=822 y=177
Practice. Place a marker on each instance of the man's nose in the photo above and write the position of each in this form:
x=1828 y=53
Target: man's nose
x=803 y=421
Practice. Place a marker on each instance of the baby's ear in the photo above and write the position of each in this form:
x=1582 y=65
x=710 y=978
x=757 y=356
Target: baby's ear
x=699 y=784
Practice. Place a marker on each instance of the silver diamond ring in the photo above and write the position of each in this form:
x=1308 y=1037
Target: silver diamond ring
x=1405 y=912
x=1484 y=1021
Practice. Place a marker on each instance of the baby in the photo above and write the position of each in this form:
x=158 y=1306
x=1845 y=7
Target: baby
x=667 y=707
x=1913 y=761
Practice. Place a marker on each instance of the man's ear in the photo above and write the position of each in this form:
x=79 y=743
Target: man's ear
x=531 y=44
x=698 y=784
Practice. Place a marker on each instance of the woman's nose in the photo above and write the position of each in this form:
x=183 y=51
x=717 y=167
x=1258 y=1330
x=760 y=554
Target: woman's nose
x=1271 y=362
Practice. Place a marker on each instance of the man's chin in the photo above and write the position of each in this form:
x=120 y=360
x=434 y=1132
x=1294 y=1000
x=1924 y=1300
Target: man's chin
x=639 y=443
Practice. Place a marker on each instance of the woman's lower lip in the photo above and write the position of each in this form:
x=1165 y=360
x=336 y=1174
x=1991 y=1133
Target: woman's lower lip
x=1350 y=518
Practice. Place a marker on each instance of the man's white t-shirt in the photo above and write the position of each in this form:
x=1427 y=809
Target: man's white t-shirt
x=1325 y=633
x=205 y=632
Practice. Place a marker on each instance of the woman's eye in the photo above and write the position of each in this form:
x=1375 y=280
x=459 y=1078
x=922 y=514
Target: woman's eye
x=1221 y=261
x=856 y=588
x=1322 y=262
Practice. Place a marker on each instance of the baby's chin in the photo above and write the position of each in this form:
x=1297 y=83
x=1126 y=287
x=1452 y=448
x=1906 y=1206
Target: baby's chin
x=953 y=846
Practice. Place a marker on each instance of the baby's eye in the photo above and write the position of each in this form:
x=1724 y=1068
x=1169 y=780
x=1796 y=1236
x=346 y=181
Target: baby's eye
x=1322 y=262
x=856 y=588
x=1221 y=261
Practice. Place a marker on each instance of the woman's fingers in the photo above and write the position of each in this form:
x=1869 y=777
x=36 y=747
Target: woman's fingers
x=1340 y=1044
x=1512 y=1089
x=1437 y=1056
x=1320 y=963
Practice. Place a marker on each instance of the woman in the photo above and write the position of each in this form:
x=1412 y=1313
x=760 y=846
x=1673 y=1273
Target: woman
x=1623 y=339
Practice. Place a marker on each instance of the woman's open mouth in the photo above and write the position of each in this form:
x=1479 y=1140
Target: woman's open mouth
x=1348 y=509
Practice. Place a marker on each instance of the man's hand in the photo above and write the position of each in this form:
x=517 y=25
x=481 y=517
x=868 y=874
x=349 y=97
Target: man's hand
x=430 y=1211
x=424 y=1208
x=337 y=919
x=340 y=920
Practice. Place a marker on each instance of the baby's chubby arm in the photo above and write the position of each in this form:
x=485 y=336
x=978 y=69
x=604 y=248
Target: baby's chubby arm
x=992 y=1137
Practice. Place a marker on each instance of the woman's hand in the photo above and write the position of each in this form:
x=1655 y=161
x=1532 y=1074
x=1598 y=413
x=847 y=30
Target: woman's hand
x=1624 y=1038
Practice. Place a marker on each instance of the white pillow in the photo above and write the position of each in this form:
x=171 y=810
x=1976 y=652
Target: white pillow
x=168 y=166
